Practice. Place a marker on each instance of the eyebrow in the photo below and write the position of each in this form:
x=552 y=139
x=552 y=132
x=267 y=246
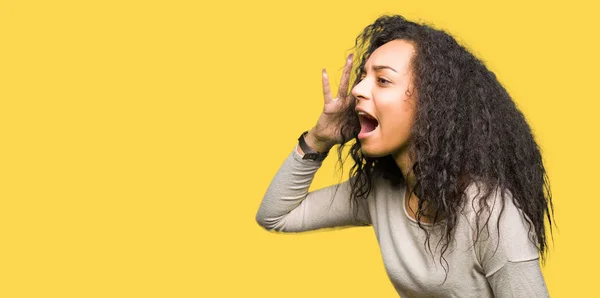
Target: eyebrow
x=378 y=67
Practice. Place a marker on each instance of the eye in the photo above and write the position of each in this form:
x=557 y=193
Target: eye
x=383 y=81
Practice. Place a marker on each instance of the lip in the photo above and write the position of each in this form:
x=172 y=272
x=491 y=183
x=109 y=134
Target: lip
x=357 y=109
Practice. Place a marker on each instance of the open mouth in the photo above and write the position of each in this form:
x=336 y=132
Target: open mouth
x=367 y=123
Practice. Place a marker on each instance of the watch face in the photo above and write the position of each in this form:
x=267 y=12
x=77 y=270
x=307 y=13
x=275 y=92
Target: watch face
x=311 y=155
x=314 y=156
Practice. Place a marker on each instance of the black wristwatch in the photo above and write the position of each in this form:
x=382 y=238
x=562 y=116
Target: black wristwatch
x=308 y=152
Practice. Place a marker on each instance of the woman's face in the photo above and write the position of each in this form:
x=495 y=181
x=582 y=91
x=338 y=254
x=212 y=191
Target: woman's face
x=386 y=94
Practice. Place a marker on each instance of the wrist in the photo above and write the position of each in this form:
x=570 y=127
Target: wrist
x=316 y=144
x=316 y=150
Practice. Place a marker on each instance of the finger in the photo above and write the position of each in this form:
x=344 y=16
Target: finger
x=345 y=82
x=326 y=88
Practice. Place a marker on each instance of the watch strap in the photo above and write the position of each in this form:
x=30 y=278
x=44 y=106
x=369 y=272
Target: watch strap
x=309 y=153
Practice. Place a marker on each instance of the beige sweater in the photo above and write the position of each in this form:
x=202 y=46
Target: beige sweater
x=505 y=266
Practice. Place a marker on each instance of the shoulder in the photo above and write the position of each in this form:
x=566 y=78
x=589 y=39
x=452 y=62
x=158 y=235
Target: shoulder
x=501 y=231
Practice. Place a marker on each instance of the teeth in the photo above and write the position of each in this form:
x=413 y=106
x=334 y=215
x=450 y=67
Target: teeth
x=361 y=113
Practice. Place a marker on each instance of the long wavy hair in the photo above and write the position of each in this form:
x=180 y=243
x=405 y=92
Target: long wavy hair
x=467 y=128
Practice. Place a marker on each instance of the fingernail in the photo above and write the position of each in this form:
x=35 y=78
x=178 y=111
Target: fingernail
x=350 y=56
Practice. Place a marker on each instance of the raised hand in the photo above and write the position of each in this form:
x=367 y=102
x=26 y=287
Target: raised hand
x=326 y=133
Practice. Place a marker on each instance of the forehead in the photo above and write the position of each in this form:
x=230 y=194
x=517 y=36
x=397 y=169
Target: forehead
x=396 y=54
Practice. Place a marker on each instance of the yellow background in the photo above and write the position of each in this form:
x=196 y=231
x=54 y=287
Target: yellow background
x=137 y=139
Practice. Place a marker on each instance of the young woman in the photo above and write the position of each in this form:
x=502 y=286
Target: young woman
x=446 y=168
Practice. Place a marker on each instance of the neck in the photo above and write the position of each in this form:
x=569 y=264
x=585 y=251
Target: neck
x=405 y=164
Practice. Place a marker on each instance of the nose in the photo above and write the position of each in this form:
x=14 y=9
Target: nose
x=362 y=90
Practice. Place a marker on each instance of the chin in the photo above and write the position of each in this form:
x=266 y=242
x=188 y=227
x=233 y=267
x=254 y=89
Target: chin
x=370 y=152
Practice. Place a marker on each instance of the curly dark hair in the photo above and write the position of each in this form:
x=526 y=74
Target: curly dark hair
x=467 y=128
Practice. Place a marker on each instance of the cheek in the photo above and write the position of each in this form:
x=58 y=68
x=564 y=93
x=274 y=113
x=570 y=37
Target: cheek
x=397 y=119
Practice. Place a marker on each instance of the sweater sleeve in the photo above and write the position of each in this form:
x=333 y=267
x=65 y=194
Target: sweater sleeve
x=288 y=206
x=519 y=279
x=507 y=236
x=507 y=250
